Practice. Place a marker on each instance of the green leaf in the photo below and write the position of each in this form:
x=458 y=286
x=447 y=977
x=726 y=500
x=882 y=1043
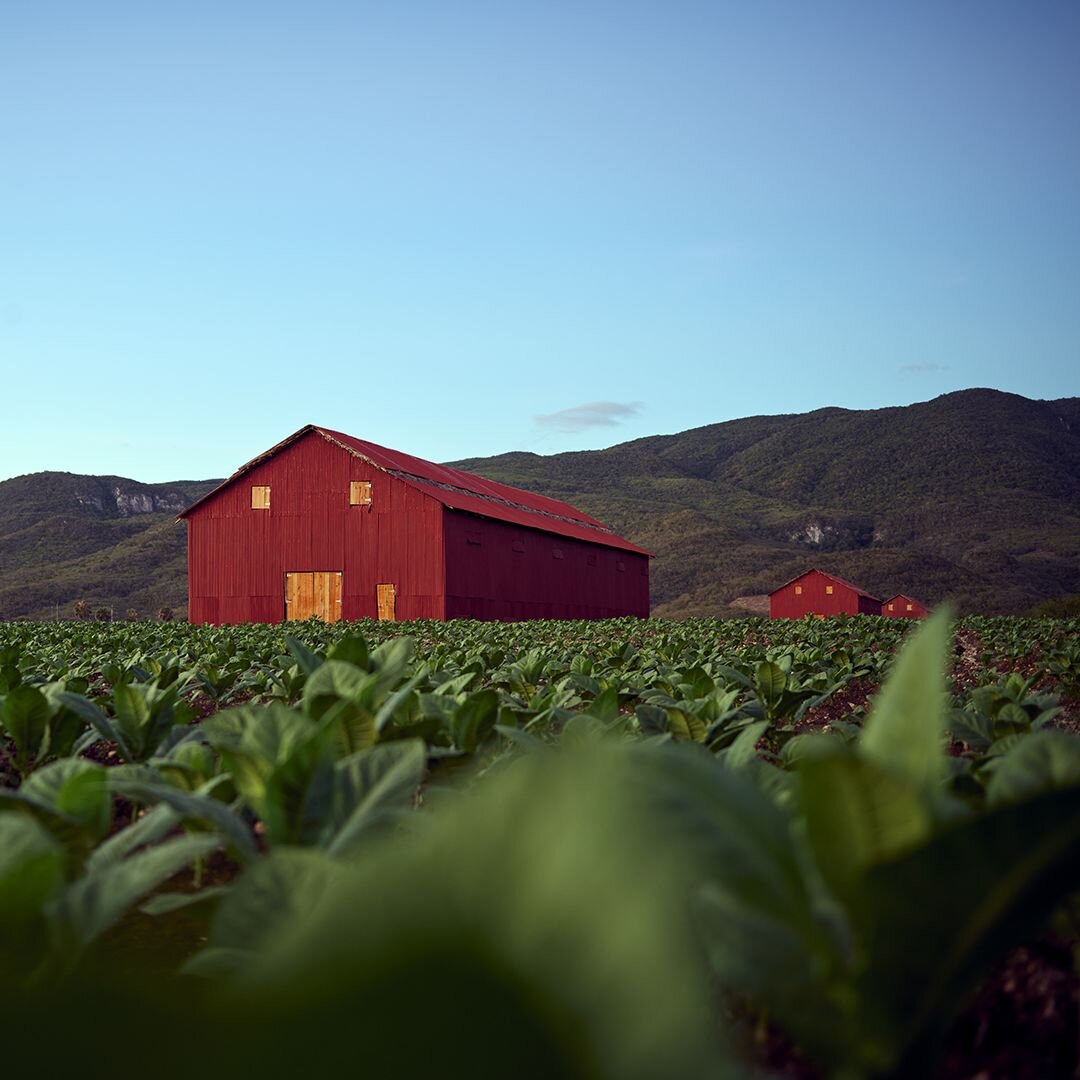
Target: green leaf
x=196 y=806
x=1037 y=763
x=474 y=720
x=77 y=791
x=308 y=660
x=744 y=748
x=770 y=680
x=98 y=901
x=372 y=787
x=944 y=914
x=352 y=649
x=905 y=731
x=26 y=715
x=857 y=815
x=85 y=708
x=167 y=903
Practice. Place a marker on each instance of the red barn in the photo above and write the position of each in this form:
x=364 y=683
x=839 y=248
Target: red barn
x=818 y=593
x=325 y=524
x=903 y=607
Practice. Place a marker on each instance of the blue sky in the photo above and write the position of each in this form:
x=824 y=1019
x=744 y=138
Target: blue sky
x=462 y=229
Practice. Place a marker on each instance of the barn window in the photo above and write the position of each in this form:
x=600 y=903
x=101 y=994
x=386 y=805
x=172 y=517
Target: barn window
x=620 y=566
x=556 y=553
x=359 y=492
x=260 y=496
x=909 y=607
x=890 y=607
x=828 y=590
x=798 y=590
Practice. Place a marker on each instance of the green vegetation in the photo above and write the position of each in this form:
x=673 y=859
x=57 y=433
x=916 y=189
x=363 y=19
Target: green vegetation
x=630 y=848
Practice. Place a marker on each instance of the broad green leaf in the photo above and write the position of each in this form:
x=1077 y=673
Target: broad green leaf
x=1037 y=763
x=904 y=732
x=26 y=715
x=945 y=913
x=98 y=901
x=770 y=680
x=857 y=815
x=370 y=788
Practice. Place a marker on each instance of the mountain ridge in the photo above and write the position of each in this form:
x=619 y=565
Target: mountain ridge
x=973 y=496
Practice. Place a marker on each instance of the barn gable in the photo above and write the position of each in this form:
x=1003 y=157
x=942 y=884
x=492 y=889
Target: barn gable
x=455 y=489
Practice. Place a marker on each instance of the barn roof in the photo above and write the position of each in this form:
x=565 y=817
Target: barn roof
x=455 y=489
x=832 y=577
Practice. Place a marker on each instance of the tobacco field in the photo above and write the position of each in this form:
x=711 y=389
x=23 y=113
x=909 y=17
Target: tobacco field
x=633 y=848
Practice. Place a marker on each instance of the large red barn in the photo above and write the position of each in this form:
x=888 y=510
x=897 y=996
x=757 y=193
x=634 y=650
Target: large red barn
x=329 y=525
x=903 y=607
x=818 y=593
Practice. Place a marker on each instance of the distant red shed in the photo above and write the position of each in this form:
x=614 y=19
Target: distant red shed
x=903 y=607
x=326 y=524
x=818 y=593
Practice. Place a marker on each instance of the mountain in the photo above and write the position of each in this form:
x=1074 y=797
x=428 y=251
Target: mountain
x=111 y=541
x=973 y=496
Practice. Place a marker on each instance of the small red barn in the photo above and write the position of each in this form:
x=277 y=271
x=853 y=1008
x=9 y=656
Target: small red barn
x=818 y=593
x=903 y=607
x=329 y=525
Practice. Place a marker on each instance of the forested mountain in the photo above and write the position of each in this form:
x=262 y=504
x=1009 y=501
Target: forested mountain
x=974 y=496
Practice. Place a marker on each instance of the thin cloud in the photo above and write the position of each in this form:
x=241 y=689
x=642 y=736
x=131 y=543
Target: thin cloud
x=922 y=369
x=597 y=414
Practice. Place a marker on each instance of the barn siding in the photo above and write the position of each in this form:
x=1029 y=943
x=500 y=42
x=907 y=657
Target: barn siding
x=486 y=578
x=899 y=608
x=238 y=557
x=784 y=603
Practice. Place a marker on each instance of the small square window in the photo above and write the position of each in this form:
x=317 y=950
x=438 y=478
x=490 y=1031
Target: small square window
x=260 y=497
x=890 y=607
x=798 y=590
x=909 y=607
x=556 y=553
x=359 y=492
x=828 y=590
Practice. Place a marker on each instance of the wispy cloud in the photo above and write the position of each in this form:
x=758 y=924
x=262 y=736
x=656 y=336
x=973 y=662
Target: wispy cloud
x=922 y=369
x=596 y=414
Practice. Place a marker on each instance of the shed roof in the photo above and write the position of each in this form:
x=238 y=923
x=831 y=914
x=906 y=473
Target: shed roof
x=455 y=489
x=832 y=577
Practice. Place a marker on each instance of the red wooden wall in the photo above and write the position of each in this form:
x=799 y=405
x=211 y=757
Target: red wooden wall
x=495 y=570
x=897 y=608
x=238 y=557
x=785 y=603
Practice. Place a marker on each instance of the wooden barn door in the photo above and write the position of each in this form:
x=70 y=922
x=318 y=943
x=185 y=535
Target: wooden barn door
x=386 y=599
x=316 y=593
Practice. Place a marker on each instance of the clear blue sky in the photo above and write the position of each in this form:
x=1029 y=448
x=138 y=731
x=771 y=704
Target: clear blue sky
x=466 y=228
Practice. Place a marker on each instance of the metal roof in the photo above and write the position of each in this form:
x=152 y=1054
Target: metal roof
x=456 y=490
x=831 y=577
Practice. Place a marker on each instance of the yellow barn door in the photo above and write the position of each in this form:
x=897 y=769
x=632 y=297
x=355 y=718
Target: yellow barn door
x=315 y=593
x=386 y=601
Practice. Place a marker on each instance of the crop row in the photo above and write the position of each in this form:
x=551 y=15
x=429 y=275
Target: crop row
x=859 y=832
